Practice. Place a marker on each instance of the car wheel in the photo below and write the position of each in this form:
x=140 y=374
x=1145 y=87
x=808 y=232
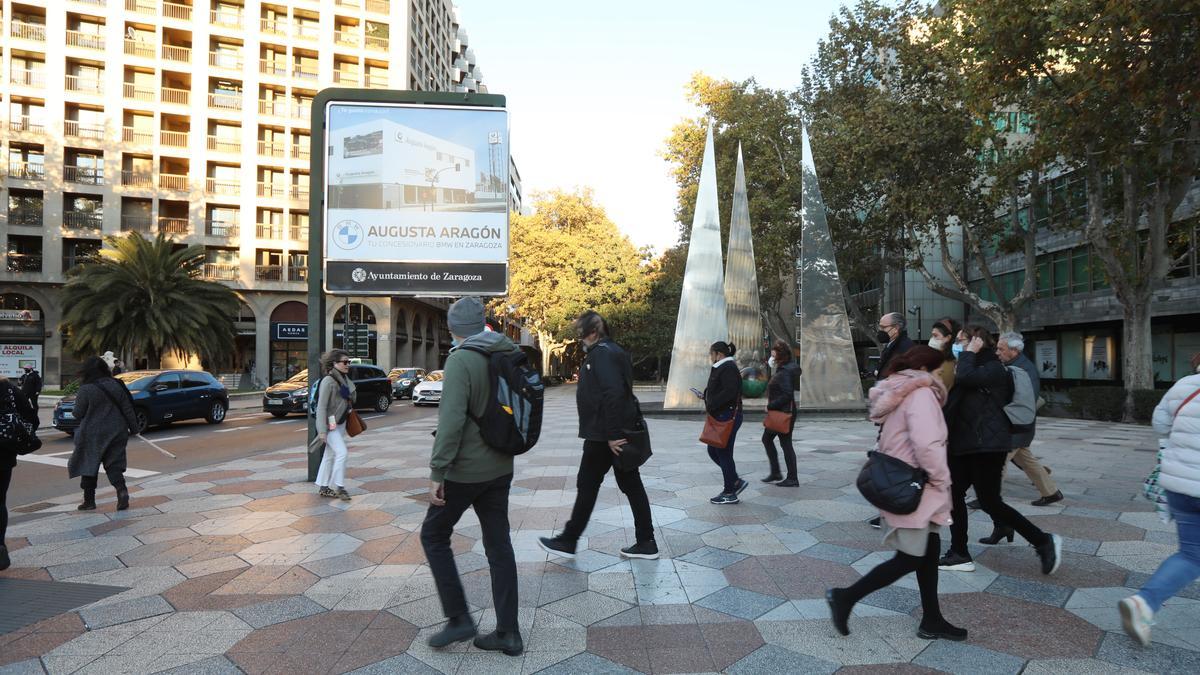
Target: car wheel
x=142 y=418
x=382 y=403
x=216 y=414
x=278 y=414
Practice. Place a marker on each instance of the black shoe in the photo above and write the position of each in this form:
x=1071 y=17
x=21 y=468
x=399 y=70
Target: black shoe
x=876 y=522
x=495 y=641
x=5 y=561
x=122 y=498
x=974 y=505
x=557 y=546
x=790 y=482
x=741 y=486
x=772 y=478
x=998 y=534
x=1050 y=552
x=839 y=612
x=725 y=498
x=457 y=629
x=956 y=562
x=89 y=501
x=647 y=550
x=941 y=629
x=1047 y=501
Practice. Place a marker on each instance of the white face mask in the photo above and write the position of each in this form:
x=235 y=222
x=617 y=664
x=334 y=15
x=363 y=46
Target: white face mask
x=771 y=362
x=936 y=343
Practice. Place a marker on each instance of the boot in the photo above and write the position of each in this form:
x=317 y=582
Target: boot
x=509 y=643
x=774 y=476
x=457 y=629
x=122 y=497
x=999 y=533
x=5 y=562
x=89 y=500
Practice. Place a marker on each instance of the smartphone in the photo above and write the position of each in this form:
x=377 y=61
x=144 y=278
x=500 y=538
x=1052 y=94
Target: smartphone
x=697 y=392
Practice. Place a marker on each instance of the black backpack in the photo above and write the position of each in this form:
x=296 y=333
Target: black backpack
x=512 y=420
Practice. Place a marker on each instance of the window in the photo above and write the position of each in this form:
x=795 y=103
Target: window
x=1043 y=277
x=1062 y=273
x=191 y=380
x=167 y=381
x=1080 y=270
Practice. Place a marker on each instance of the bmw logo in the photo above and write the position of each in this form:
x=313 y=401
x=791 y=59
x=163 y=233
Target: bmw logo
x=359 y=275
x=348 y=235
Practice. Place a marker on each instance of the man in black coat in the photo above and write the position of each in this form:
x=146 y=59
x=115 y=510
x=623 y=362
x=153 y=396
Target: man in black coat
x=606 y=406
x=894 y=338
x=31 y=385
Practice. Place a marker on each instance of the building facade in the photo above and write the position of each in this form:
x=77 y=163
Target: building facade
x=192 y=118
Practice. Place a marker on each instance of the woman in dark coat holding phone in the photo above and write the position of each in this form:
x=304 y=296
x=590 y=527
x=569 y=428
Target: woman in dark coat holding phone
x=105 y=412
x=723 y=401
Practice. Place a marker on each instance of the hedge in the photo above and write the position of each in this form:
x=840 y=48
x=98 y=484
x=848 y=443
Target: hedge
x=1107 y=403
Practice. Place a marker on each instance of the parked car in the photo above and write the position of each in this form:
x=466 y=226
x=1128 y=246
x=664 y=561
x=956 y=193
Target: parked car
x=429 y=390
x=291 y=395
x=404 y=380
x=161 y=397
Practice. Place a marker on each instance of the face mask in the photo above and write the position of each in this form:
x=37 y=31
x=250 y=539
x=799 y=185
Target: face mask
x=936 y=343
x=883 y=337
x=771 y=362
x=453 y=342
x=957 y=349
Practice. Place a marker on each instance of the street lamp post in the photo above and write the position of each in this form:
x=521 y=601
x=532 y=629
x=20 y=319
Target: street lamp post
x=916 y=309
x=432 y=177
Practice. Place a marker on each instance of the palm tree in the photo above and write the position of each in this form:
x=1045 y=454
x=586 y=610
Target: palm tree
x=147 y=296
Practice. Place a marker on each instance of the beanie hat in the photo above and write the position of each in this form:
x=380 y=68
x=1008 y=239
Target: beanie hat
x=466 y=317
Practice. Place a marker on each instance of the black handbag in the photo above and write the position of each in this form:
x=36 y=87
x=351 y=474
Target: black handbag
x=636 y=450
x=890 y=484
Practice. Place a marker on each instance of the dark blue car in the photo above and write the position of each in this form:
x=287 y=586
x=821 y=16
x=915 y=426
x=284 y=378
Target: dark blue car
x=161 y=397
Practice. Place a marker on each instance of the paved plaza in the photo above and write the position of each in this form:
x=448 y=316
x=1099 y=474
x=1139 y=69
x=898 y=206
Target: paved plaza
x=240 y=567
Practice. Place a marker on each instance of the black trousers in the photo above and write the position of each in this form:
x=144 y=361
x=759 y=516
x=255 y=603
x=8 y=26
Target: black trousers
x=490 y=501
x=5 y=479
x=889 y=572
x=985 y=471
x=116 y=479
x=785 y=442
x=593 y=466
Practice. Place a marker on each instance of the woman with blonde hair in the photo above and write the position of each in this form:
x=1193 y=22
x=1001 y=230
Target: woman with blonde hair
x=335 y=399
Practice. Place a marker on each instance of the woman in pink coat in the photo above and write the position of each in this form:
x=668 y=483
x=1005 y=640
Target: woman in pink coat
x=907 y=404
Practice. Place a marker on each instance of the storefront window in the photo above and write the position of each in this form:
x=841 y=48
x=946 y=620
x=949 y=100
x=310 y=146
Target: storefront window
x=1071 y=345
x=1160 y=349
x=288 y=357
x=1186 y=344
x=1100 y=363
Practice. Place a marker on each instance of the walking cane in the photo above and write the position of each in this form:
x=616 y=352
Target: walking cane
x=156 y=446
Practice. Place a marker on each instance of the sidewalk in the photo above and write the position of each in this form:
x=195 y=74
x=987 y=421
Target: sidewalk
x=241 y=568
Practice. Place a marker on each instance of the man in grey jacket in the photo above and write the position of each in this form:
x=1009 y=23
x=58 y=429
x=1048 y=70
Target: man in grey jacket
x=1010 y=349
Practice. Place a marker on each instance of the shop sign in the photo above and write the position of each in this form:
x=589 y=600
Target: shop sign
x=289 y=331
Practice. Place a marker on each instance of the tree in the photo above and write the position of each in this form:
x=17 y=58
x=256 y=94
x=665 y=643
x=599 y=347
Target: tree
x=1111 y=88
x=147 y=296
x=647 y=329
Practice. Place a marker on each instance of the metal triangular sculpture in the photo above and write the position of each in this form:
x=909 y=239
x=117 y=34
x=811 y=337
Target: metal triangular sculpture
x=830 y=378
x=701 y=320
x=741 y=279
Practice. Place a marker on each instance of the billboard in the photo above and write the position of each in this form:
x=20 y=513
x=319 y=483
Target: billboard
x=14 y=357
x=415 y=199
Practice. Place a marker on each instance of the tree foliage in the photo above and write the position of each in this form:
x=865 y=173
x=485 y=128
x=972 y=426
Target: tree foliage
x=146 y=296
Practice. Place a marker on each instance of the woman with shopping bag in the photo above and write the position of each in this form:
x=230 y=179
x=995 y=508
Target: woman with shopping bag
x=723 y=405
x=781 y=414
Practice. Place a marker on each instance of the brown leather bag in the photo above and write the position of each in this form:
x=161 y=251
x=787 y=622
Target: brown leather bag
x=716 y=433
x=778 y=421
x=355 y=424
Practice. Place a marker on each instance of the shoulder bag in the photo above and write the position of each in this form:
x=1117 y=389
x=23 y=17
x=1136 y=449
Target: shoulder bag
x=717 y=432
x=355 y=424
x=890 y=484
x=1151 y=490
x=780 y=421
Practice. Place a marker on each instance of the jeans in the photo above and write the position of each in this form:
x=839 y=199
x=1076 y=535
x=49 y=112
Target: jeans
x=985 y=471
x=723 y=457
x=333 y=462
x=789 y=452
x=593 y=466
x=490 y=501
x=1182 y=568
x=5 y=479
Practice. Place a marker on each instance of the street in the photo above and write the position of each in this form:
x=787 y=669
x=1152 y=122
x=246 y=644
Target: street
x=246 y=431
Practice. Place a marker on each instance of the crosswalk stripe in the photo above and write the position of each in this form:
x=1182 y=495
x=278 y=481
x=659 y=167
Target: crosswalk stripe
x=59 y=461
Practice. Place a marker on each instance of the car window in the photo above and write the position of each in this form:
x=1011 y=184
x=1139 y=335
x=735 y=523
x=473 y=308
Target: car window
x=299 y=378
x=435 y=376
x=195 y=380
x=169 y=380
x=136 y=381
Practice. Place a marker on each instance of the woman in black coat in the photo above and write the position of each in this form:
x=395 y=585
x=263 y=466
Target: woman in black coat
x=12 y=402
x=723 y=401
x=980 y=438
x=781 y=396
x=105 y=412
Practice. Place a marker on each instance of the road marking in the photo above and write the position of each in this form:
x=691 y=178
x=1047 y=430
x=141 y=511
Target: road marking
x=294 y=419
x=244 y=417
x=225 y=431
x=168 y=438
x=59 y=454
x=371 y=417
x=58 y=461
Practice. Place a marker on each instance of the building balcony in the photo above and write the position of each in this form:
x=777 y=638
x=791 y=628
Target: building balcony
x=271 y=190
x=273 y=67
x=85 y=85
x=179 y=96
x=306 y=31
x=225 y=101
x=146 y=50
x=176 y=226
x=375 y=80
x=174 y=10
x=273 y=26
x=177 y=54
x=85 y=40
x=376 y=43
x=226 y=60
x=27 y=170
x=24 y=262
x=25 y=217
x=347 y=38
x=141 y=224
x=80 y=220
x=270 y=148
x=231 y=145
x=268 y=272
x=139 y=93
x=222 y=186
x=226 y=18
x=353 y=4
x=304 y=73
x=25 y=125
x=34 y=32
x=298 y=233
x=25 y=77
x=94 y=3
x=137 y=179
x=221 y=272
x=268 y=231
x=221 y=228
x=297 y=273
x=174 y=139
x=300 y=151
x=275 y=108
x=172 y=181
x=84 y=175
x=141 y=6
x=345 y=79
x=379 y=6
x=84 y=131
x=137 y=137
x=70 y=262
x=302 y=111
x=299 y=193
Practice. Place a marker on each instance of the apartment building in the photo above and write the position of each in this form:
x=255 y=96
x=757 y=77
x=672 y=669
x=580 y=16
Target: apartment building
x=192 y=117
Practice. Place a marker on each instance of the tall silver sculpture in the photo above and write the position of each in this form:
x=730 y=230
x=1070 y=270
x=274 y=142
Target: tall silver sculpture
x=741 y=279
x=830 y=377
x=701 y=319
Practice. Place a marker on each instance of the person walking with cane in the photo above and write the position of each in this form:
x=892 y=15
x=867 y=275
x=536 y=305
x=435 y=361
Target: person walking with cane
x=106 y=418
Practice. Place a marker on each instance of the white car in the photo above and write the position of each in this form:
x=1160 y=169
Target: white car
x=429 y=391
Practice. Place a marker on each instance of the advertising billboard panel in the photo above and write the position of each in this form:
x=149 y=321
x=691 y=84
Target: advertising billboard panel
x=14 y=358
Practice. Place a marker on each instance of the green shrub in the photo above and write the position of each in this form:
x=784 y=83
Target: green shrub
x=1144 y=403
x=70 y=388
x=1097 y=403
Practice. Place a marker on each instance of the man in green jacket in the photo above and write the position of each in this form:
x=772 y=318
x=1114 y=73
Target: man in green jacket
x=467 y=473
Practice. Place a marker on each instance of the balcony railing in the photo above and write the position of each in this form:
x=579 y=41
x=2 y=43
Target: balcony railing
x=136 y=224
x=304 y=73
x=297 y=273
x=72 y=261
x=86 y=175
x=24 y=262
x=226 y=60
x=27 y=170
x=137 y=179
x=87 y=85
x=174 y=10
x=136 y=93
x=277 y=107
x=25 y=124
x=168 y=225
x=273 y=26
x=376 y=43
x=270 y=148
x=300 y=192
x=298 y=233
x=222 y=186
x=28 y=31
x=268 y=272
x=225 y=101
x=175 y=139
x=79 y=220
x=302 y=111
x=174 y=53
x=221 y=228
x=27 y=77
x=171 y=95
x=348 y=38
x=349 y=3
x=347 y=79
x=271 y=190
x=25 y=217
x=172 y=181
x=141 y=6
x=379 y=6
x=221 y=271
x=76 y=129
x=218 y=144
x=268 y=231
x=227 y=17
x=300 y=151
x=306 y=30
x=375 y=80
x=146 y=50
x=84 y=40
x=275 y=67
x=134 y=135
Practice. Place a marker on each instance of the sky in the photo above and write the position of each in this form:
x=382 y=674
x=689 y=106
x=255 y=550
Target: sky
x=594 y=88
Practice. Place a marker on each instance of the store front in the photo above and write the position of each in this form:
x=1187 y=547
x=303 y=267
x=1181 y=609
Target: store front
x=289 y=340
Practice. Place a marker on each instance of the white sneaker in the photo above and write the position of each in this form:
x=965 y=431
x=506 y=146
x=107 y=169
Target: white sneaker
x=1137 y=618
